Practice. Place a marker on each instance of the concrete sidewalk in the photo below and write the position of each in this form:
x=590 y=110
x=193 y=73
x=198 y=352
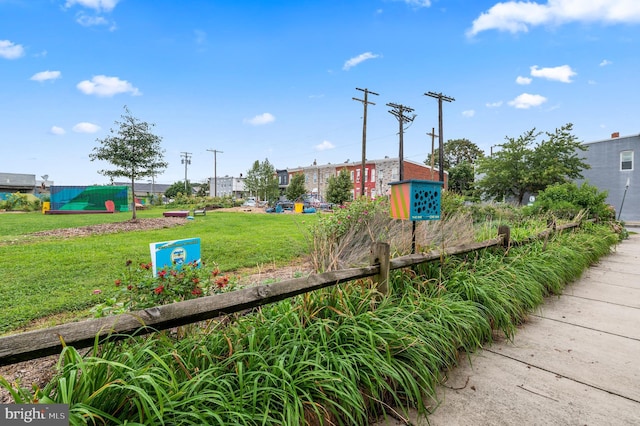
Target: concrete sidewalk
x=574 y=362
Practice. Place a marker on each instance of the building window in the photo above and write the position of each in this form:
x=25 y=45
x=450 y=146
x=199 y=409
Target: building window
x=626 y=160
x=358 y=176
x=373 y=175
x=351 y=175
x=394 y=173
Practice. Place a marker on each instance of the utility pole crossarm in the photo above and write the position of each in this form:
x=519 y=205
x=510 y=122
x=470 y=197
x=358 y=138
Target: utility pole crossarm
x=186 y=160
x=398 y=111
x=365 y=102
x=440 y=97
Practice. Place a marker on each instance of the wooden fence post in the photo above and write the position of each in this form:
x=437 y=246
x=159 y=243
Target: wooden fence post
x=505 y=232
x=380 y=256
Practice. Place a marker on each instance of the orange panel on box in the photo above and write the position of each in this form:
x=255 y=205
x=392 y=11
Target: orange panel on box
x=400 y=197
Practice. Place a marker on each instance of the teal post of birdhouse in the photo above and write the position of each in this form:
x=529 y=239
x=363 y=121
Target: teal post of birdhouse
x=416 y=200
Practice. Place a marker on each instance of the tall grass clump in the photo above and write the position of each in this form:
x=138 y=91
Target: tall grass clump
x=509 y=285
x=336 y=356
x=343 y=239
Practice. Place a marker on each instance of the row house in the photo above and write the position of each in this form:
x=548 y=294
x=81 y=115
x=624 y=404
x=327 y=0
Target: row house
x=613 y=169
x=378 y=174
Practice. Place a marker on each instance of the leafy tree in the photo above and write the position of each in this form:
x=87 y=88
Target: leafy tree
x=461 y=178
x=557 y=160
x=522 y=166
x=133 y=150
x=455 y=152
x=178 y=188
x=296 y=187
x=339 y=187
x=203 y=190
x=262 y=181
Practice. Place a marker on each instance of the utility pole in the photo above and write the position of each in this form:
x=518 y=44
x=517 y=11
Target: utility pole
x=440 y=97
x=215 y=173
x=433 y=136
x=365 y=102
x=186 y=160
x=399 y=111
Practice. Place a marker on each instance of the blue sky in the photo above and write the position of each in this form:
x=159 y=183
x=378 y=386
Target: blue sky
x=275 y=79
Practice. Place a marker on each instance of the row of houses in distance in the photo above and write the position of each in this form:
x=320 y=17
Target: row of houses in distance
x=612 y=161
x=378 y=174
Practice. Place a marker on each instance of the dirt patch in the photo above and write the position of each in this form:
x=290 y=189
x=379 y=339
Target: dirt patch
x=241 y=209
x=112 y=228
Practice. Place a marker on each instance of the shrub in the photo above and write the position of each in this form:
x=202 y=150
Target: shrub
x=139 y=289
x=19 y=201
x=450 y=203
x=568 y=199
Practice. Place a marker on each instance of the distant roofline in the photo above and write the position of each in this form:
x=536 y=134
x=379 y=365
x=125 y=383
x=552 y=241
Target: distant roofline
x=611 y=139
x=357 y=163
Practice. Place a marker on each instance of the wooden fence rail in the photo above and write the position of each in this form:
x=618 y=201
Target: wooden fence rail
x=43 y=342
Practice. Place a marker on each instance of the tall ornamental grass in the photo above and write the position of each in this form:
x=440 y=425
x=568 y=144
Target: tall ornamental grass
x=343 y=355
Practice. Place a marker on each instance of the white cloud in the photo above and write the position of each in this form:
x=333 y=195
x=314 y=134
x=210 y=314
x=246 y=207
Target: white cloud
x=102 y=85
x=55 y=130
x=85 y=127
x=519 y=16
x=91 y=21
x=562 y=73
x=493 y=104
x=358 y=59
x=325 y=145
x=10 y=50
x=526 y=101
x=523 y=80
x=97 y=5
x=46 y=75
x=260 y=120
x=417 y=3
x=605 y=62
x=468 y=113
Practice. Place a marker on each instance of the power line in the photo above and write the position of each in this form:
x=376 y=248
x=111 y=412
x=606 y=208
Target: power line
x=399 y=111
x=440 y=97
x=365 y=102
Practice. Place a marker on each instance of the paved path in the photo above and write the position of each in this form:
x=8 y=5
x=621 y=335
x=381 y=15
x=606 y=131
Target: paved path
x=576 y=361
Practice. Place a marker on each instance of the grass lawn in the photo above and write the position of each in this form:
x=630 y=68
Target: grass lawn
x=42 y=276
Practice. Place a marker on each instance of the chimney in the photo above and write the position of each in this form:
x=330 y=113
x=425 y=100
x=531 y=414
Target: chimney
x=615 y=135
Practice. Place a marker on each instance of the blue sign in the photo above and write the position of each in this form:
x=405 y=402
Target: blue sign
x=174 y=254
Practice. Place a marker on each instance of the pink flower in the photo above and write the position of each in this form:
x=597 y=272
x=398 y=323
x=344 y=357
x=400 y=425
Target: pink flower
x=97 y=291
x=159 y=289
